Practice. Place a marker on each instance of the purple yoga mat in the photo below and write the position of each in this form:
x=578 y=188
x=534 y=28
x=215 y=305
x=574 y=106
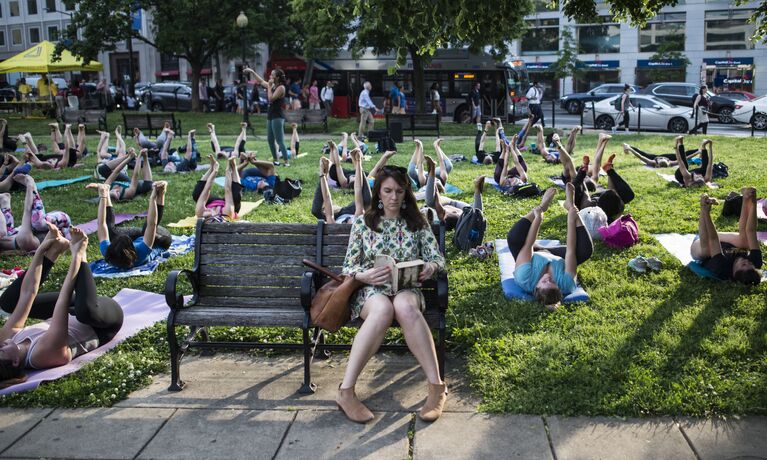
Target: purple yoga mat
x=142 y=309
x=92 y=226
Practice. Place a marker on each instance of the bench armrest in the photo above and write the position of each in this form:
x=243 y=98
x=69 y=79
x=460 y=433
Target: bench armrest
x=307 y=283
x=442 y=291
x=174 y=300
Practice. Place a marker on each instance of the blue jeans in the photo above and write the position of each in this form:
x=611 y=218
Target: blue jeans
x=148 y=144
x=275 y=131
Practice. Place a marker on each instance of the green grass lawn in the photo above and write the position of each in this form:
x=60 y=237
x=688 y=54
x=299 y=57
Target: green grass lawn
x=661 y=343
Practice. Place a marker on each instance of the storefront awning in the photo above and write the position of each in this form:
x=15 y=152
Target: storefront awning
x=599 y=65
x=729 y=62
x=660 y=64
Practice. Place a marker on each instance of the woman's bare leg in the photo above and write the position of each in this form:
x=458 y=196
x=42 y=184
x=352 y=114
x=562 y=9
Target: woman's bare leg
x=232 y=176
x=209 y=177
x=360 y=181
x=55 y=134
x=682 y=164
x=327 y=199
x=32 y=158
x=80 y=145
x=377 y=313
x=515 y=158
x=29 y=142
x=103 y=148
x=417 y=334
x=629 y=149
x=343 y=182
x=120 y=147
x=441 y=158
x=572 y=137
x=25 y=236
x=342 y=147
x=214 y=139
x=379 y=164
x=710 y=167
x=567 y=162
x=419 y=156
x=241 y=139
x=146 y=170
x=294 y=140
x=596 y=165
x=505 y=161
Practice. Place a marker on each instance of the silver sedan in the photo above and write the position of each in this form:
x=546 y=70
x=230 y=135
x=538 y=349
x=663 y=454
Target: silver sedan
x=656 y=114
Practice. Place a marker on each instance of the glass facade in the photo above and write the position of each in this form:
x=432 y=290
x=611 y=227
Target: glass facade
x=667 y=29
x=31 y=7
x=14 y=8
x=541 y=37
x=602 y=38
x=729 y=30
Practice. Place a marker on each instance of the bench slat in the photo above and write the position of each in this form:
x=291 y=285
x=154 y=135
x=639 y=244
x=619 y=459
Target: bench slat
x=242 y=260
x=213 y=316
x=253 y=270
x=250 y=249
x=260 y=228
x=287 y=292
x=268 y=280
x=248 y=302
x=259 y=238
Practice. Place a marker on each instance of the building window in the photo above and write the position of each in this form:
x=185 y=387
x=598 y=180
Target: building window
x=34 y=35
x=2 y=38
x=601 y=38
x=16 y=38
x=546 y=5
x=729 y=30
x=1 y=10
x=14 y=8
x=541 y=37
x=666 y=29
x=53 y=33
x=31 y=7
x=50 y=5
x=168 y=62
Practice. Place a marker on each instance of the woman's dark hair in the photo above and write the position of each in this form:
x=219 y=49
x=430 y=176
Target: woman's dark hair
x=611 y=204
x=548 y=296
x=626 y=87
x=10 y=374
x=435 y=85
x=121 y=252
x=279 y=77
x=413 y=217
x=702 y=90
x=750 y=275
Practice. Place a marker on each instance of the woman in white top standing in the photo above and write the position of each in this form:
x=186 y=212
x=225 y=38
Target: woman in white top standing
x=700 y=108
x=435 y=97
x=62 y=336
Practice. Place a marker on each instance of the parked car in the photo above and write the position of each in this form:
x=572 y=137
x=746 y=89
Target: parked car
x=656 y=114
x=574 y=103
x=681 y=94
x=737 y=95
x=230 y=100
x=168 y=96
x=7 y=94
x=752 y=112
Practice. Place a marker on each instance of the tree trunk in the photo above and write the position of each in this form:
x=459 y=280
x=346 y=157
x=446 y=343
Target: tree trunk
x=196 y=71
x=418 y=75
x=308 y=72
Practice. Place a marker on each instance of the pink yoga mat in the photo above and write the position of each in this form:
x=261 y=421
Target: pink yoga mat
x=142 y=309
x=760 y=209
x=92 y=226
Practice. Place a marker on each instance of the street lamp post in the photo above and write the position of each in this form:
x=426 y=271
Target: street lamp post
x=242 y=23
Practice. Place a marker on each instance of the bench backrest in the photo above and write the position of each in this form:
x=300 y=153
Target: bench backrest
x=425 y=120
x=314 y=116
x=294 y=116
x=147 y=120
x=405 y=119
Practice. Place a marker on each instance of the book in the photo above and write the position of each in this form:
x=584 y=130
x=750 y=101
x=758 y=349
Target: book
x=404 y=275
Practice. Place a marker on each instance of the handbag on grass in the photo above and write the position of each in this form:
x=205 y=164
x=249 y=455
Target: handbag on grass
x=330 y=304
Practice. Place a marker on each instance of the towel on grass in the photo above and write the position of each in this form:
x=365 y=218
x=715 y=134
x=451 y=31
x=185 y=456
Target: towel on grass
x=180 y=245
x=672 y=179
x=59 y=182
x=92 y=226
x=511 y=289
x=678 y=245
x=141 y=309
x=245 y=208
x=491 y=181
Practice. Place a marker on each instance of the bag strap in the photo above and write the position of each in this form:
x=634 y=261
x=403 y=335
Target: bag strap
x=322 y=270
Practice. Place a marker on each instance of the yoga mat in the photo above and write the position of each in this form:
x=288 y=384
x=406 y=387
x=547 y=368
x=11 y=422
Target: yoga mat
x=59 y=182
x=245 y=208
x=180 y=245
x=760 y=206
x=92 y=226
x=557 y=180
x=511 y=289
x=141 y=309
x=475 y=161
x=301 y=155
x=450 y=189
x=672 y=179
x=491 y=181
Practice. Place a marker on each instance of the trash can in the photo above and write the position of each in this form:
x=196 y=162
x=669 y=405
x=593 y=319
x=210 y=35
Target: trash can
x=395 y=131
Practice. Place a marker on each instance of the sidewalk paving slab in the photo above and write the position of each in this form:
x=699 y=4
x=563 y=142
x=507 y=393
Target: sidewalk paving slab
x=15 y=422
x=91 y=433
x=589 y=438
x=743 y=438
x=390 y=382
x=330 y=435
x=226 y=433
x=485 y=436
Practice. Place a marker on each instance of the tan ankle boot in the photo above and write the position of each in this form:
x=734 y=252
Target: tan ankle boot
x=351 y=406
x=435 y=401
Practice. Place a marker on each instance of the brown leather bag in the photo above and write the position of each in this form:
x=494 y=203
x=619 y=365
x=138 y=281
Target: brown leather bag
x=330 y=304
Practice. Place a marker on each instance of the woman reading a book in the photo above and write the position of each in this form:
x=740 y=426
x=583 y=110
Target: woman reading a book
x=391 y=226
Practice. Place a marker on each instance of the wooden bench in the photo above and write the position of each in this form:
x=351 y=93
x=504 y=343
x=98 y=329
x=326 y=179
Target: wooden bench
x=250 y=274
x=315 y=117
x=87 y=117
x=417 y=123
x=150 y=123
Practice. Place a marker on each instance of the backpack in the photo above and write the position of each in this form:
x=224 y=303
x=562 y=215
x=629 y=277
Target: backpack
x=719 y=170
x=287 y=189
x=732 y=205
x=525 y=190
x=621 y=233
x=386 y=143
x=470 y=229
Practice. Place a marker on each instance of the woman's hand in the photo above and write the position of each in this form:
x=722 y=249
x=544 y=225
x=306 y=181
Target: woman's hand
x=429 y=268
x=375 y=276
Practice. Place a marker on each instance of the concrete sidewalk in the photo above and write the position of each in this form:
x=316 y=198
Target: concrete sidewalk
x=237 y=406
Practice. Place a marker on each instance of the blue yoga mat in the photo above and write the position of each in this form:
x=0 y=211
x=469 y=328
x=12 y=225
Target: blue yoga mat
x=59 y=182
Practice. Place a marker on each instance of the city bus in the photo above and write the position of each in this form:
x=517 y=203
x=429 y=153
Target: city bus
x=503 y=84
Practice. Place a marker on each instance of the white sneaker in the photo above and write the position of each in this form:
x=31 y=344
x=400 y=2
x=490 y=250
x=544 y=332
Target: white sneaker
x=627 y=130
x=614 y=129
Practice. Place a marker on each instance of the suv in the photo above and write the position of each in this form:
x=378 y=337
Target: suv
x=574 y=102
x=681 y=94
x=168 y=96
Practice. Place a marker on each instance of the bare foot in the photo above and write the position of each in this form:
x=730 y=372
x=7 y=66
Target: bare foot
x=160 y=187
x=243 y=125
x=81 y=127
x=78 y=244
x=679 y=138
x=538 y=127
x=192 y=132
x=706 y=141
x=212 y=160
x=430 y=165
x=578 y=128
x=355 y=155
x=293 y=125
x=749 y=193
x=479 y=183
x=388 y=154
x=609 y=165
x=626 y=148
x=548 y=197
x=324 y=165
x=586 y=160
x=488 y=125
x=603 y=137
x=418 y=143
x=437 y=143
x=5 y=200
x=555 y=138
x=569 y=195
x=211 y=127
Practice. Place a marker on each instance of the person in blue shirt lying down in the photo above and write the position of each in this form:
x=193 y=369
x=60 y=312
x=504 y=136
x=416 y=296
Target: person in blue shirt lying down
x=128 y=247
x=549 y=274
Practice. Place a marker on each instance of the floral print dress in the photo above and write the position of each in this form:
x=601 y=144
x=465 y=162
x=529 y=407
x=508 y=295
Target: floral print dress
x=395 y=240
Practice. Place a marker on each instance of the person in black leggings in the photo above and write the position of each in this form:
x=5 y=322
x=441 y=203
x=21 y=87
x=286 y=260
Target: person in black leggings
x=549 y=274
x=94 y=320
x=659 y=161
x=322 y=204
x=506 y=175
x=217 y=209
x=483 y=156
x=612 y=200
x=698 y=176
